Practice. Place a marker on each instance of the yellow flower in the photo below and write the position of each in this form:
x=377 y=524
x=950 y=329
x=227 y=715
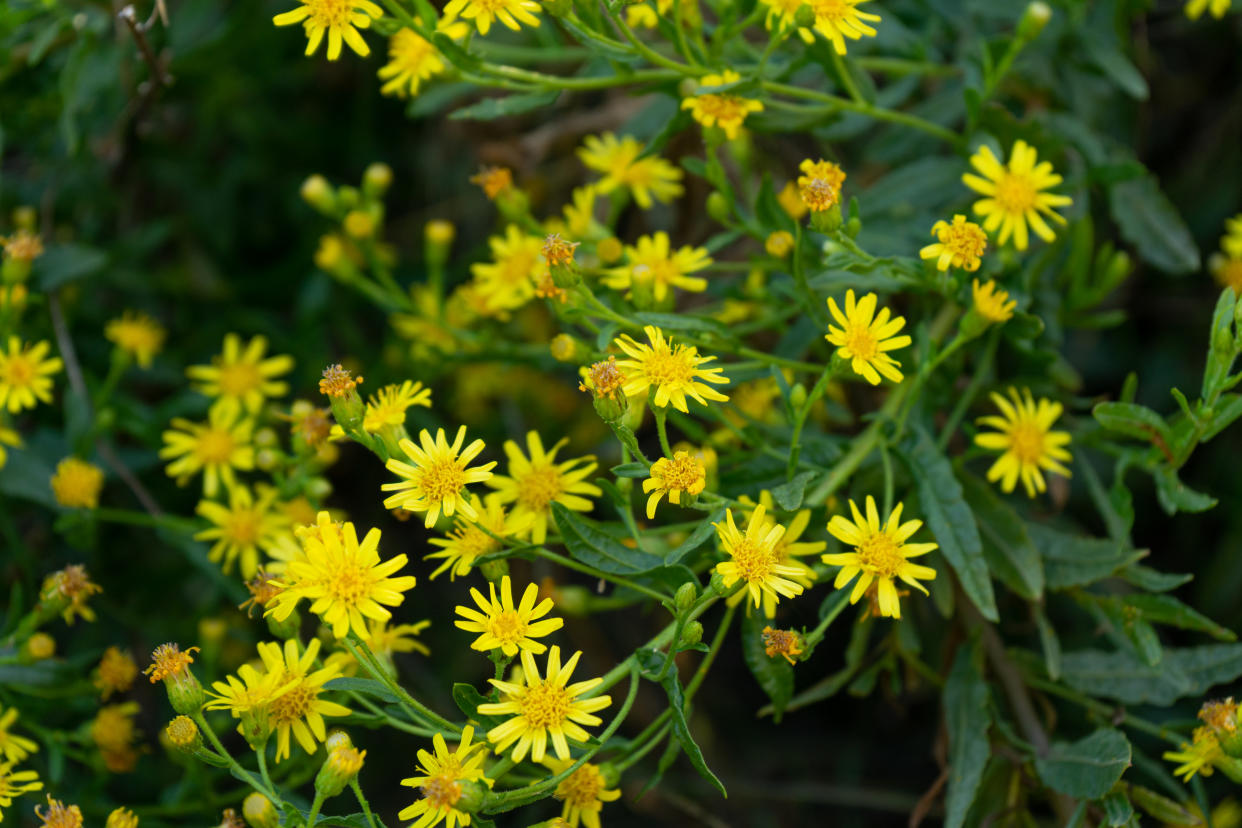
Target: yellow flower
x=827 y=193
x=645 y=178
x=299 y=710
x=122 y=818
x=1013 y=194
x=667 y=269
x=71 y=588
x=115 y=674
x=543 y=708
x=1024 y=436
x=505 y=626
x=437 y=481
x=753 y=558
x=387 y=407
x=138 y=335
x=77 y=483
x=468 y=541
x=412 y=59
x=684 y=473
x=960 y=244
x=114 y=734
x=779 y=244
x=242 y=378
x=1231 y=242
x=338 y=382
x=249 y=694
x=440 y=784
x=1218 y=8
x=992 y=304
x=580 y=212
x=25 y=376
x=785 y=643
x=535 y=483
x=512 y=13
x=787 y=551
x=242 y=528
x=584 y=793
x=493 y=180
x=8 y=437
x=864 y=337
x=15 y=783
x=1227 y=270
x=216 y=448
x=644 y=16
x=168 y=661
x=839 y=19
x=508 y=281
x=13 y=748
x=22 y=246
x=790 y=199
x=344 y=580
x=341 y=19
x=721 y=109
x=880 y=555
x=59 y=815
x=1198 y=756
x=674 y=371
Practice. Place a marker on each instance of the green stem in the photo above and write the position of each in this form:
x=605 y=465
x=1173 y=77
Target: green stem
x=847 y=80
x=795 y=444
x=570 y=563
x=1108 y=711
x=238 y=771
x=713 y=650
x=876 y=112
x=362 y=653
x=816 y=635
x=313 y=817
x=627 y=438
x=661 y=428
x=972 y=390
x=362 y=802
x=261 y=754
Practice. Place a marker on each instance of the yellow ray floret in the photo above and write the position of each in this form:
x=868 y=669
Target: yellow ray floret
x=534 y=483
x=880 y=555
x=1014 y=194
x=673 y=371
x=436 y=482
x=1026 y=441
x=502 y=625
x=511 y=13
x=340 y=19
x=753 y=558
x=440 y=785
x=865 y=338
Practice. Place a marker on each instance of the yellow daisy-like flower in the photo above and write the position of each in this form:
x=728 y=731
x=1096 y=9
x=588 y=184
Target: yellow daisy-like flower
x=1196 y=757
x=71 y=588
x=580 y=212
x=584 y=793
x=1218 y=9
x=242 y=528
x=753 y=558
x=240 y=377
x=114 y=734
x=543 y=708
x=644 y=16
x=216 y=448
x=1026 y=441
x=248 y=695
x=826 y=171
x=721 y=109
x=512 y=13
x=683 y=474
x=25 y=375
x=784 y=643
x=138 y=335
x=517 y=266
x=13 y=748
x=787 y=551
x=865 y=338
x=1231 y=242
x=619 y=161
x=960 y=244
x=880 y=555
x=666 y=269
x=1226 y=269
x=992 y=304
x=8 y=437
x=505 y=626
x=77 y=483
x=341 y=19
x=122 y=818
x=535 y=483
x=837 y=20
x=299 y=710
x=440 y=784
x=115 y=674
x=386 y=640
x=15 y=783
x=1013 y=194
x=59 y=815
x=437 y=481
x=344 y=580
x=387 y=407
x=412 y=59
x=22 y=246
x=790 y=199
x=468 y=541
x=674 y=371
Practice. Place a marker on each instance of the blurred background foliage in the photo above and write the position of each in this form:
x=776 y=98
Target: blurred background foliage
x=182 y=200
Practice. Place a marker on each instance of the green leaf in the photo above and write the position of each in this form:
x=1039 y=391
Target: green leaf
x=588 y=544
x=1167 y=610
x=697 y=538
x=679 y=322
x=789 y=495
x=1088 y=768
x=634 y=470
x=1133 y=421
x=1175 y=496
x=950 y=519
x=468 y=698
x=1049 y=642
x=1117 y=809
x=1144 y=577
x=370 y=687
x=1074 y=560
x=1227 y=409
x=1120 y=675
x=774 y=674
x=1150 y=222
x=63 y=263
x=1010 y=552
x=966 y=720
x=489 y=109
x=1161 y=807
x=1105 y=53
x=681 y=729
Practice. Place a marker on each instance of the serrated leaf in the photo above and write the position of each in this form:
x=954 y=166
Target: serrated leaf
x=950 y=519
x=597 y=549
x=1120 y=675
x=369 y=687
x=1150 y=222
x=789 y=495
x=1074 y=560
x=1010 y=552
x=697 y=538
x=1088 y=768
x=489 y=109
x=966 y=719
x=774 y=674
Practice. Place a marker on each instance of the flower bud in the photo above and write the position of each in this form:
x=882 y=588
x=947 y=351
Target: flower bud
x=779 y=244
x=686 y=595
x=564 y=348
x=183 y=735
x=1222 y=717
x=341 y=388
x=1033 y=20
x=717 y=584
x=376 y=179
x=718 y=207
x=494 y=570
x=259 y=811
x=360 y=224
x=559 y=254
x=438 y=238
x=691 y=634
x=122 y=818
x=572 y=599
x=348 y=197
x=804 y=16
x=317 y=192
x=338 y=770
x=38 y=647
x=473 y=795
x=25 y=217
x=336 y=740
x=797 y=396
x=287 y=628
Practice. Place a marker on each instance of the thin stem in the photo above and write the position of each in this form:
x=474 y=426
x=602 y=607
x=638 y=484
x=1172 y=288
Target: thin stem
x=847 y=80
x=972 y=390
x=817 y=634
x=713 y=650
x=362 y=653
x=570 y=563
x=795 y=444
x=362 y=802
x=261 y=754
x=661 y=428
x=238 y=770
x=879 y=113
x=313 y=817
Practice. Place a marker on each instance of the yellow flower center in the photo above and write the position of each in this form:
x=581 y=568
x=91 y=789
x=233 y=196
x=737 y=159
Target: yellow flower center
x=681 y=473
x=545 y=705
x=337 y=382
x=182 y=731
x=242 y=526
x=861 y=342
x=539 y=487
x=239 y=378
x=348 y=585
x=581 y=789
x=508 y=626
x=215 y=445
x=293 y=704
x=442 y=791
x=754 y=563
x=966 y=241
x=1015 y=193
x=18 y=371
x=605 y=378
x=819 y=195
x=668 y=367
x=329 y=12
x=410 y=50
x=473 y=542
x=831 y=10
x=878 y=554
x=1027 y=442
x=442 y=479
x=724 y=108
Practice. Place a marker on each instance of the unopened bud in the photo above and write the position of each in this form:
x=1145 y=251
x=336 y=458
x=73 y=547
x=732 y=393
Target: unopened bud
x=717 y=584
x=438 y=235
x=1033 y=20
x=573 y=599
x=804 y=16
x=360 y=224
x=336 y=740
x=564 y=348
x=559 y=254
x=25 y=217
x=718 y=207
x=797 y=396
x=376 y=180
x=338 y=770
x=259 y=811
x=183 y=735
x=38 y=647
x=691 y=634
x=317 y=192
x=686 y=595
x=779 y=244
x=609 y=250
